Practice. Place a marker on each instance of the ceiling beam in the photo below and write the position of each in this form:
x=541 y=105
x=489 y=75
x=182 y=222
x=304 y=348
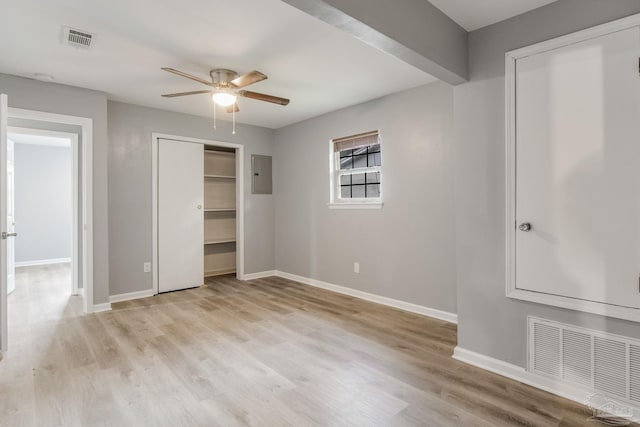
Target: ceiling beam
x=413 y=31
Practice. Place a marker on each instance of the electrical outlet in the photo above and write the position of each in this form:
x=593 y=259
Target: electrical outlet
x=147 y=267
x=356 y=267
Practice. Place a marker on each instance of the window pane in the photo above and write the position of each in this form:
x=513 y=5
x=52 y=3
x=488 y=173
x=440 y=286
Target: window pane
x=357 y=178
x=346 y=163
x=360 y=150
x=346 y=153
x=373 y=190
x=345 y=192
x=360 y=161
x=374 y=159
x=374 y=148
x=357 y=191
x=373 y=178
x=345 y=180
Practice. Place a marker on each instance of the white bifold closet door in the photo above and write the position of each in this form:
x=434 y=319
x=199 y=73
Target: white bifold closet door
x=180 y=215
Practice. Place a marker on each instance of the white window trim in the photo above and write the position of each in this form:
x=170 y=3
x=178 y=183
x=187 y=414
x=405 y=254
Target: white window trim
x=512 y=291
x=354 y=203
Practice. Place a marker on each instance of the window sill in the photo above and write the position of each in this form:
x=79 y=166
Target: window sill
x=367 y=205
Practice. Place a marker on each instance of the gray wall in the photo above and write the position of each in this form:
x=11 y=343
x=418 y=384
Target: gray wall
x=130 y=244
x=61 y=99
x=43 y=202
x=490 y=323
x=405 y=250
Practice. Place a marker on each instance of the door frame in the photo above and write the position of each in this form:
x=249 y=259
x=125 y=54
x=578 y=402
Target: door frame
x=75 y=169
x=86 y=184
x=511 y=59
x=155 y=136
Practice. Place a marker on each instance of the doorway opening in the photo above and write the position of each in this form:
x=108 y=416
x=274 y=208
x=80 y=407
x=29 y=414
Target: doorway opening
x=80 y=278
x=43 y=278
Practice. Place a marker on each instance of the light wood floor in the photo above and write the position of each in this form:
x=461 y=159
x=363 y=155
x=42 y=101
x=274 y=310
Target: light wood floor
x=267 y=352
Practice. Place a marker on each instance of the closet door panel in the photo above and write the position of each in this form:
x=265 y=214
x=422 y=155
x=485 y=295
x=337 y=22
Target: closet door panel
x=180 y=215
x=577 y=176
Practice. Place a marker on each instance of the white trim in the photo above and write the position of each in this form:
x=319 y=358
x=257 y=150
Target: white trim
x=356 y=205
x=132 y=295
x=560 y=388
x=4 y=319
x=335 y=202
x=154 y=213
x=260 y=275
x=511 y=58
x=97 y=308
x=87 y=189
x=577 y=37
x=239 y=199
x=42 y=262
x=75 y=253
x=402 y=305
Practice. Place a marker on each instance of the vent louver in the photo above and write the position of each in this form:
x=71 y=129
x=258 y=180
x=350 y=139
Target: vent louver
x=77 y=38
x=576 y=367
x=599 y=361
x=548 y=349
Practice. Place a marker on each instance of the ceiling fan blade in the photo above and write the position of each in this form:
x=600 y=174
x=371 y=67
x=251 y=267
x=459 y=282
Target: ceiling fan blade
x=195 y=92
x=248 y=79
x=233 y=108
x=189 y=76
x=263 y=97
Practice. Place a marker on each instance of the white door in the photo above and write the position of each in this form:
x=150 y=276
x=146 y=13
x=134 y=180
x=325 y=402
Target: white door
x=577 y=173
x=4 y=112
x=180 y=215
x=11 y=219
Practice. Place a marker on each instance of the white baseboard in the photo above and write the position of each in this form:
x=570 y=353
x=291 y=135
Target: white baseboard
x=42 y=262
x=402 y=305
x=97 y=308
x=576 y=393
x=131 y=295
x=259 y=275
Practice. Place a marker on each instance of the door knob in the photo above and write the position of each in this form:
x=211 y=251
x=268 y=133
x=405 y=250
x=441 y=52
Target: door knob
x=525 y=226
x=5 y=235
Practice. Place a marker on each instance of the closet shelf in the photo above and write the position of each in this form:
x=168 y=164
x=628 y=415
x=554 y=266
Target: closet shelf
x=219 y=272
x=217 y=241
x=220 y=153
x=220 y=176
x=219 y=209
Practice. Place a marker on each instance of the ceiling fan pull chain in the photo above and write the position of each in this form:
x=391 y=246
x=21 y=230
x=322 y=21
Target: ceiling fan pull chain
x=214 y=116
x=234 y=121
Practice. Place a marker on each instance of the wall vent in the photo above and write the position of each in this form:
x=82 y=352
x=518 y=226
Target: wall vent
x=603 y=362
x=77 y=38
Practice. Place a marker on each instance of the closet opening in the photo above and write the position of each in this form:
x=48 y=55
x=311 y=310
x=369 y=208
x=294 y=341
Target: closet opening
x=198 y=227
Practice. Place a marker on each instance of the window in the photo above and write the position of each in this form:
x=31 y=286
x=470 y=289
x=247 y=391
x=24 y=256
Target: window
x=356 y=168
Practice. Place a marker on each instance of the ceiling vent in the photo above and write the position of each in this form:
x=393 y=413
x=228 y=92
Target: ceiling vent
x=77 y=38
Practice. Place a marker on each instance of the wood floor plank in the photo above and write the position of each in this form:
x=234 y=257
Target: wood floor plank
x=267 y=352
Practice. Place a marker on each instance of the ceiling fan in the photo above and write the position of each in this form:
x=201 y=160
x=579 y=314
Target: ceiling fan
x=227 y=86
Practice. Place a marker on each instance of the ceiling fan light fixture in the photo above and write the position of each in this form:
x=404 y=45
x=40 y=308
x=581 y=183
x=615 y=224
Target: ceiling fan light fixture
x=224 y=98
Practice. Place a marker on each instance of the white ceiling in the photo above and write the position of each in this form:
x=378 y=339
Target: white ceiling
x=317 y=66
x=51 y=141
x=474 y=14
